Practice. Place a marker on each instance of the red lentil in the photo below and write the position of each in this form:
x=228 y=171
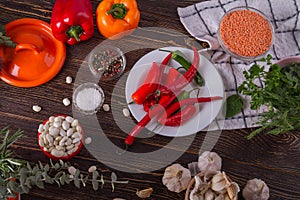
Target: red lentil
x=246 y=33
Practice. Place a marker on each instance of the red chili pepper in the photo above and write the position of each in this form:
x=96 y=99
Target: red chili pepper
x=179 y=118
x=186 y=78
x=137 y=129
x=72 y=20
x=179 y=104
x=151 y=82
x=172 y=76
x=157 y=110
x=149 y=86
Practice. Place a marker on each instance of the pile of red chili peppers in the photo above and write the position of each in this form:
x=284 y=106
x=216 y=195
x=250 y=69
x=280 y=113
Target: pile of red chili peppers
x=164 y=101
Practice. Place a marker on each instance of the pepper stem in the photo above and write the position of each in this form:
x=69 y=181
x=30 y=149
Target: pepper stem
x=75 y=32
x=118 y=11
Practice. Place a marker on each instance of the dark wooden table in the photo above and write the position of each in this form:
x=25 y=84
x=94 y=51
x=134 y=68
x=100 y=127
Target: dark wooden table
x=275 y=159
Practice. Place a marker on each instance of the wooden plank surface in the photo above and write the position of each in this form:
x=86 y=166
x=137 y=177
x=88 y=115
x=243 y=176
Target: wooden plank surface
x=274 y=159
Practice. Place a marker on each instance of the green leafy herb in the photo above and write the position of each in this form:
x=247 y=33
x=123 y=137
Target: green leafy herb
x=234 y=105
x=4 y=40
x=20 y=176
x=280 y=91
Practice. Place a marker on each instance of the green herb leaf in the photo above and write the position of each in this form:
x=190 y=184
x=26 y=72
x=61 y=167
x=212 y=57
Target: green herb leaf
x=234 y=105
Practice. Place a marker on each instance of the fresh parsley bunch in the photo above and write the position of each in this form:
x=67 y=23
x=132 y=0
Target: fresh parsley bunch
x=279 y=90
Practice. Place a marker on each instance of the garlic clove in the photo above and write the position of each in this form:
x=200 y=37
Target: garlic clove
x=233 y=191
x=220 y=182
x=209 y=195
x=209 y=161
x=256 y=189
x=146 y=193
x=199 y=189
x=176 y=178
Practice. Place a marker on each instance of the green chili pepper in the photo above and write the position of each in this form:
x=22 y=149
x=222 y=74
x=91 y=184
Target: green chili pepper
x=179 y=57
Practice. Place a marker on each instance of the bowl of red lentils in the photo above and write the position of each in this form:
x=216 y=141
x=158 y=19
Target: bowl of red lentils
x=245 y=33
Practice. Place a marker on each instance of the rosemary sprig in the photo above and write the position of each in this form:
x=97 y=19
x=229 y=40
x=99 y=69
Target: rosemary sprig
x=4 y=40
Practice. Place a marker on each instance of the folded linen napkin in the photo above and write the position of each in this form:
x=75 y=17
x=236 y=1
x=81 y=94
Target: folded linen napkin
x=201 y=20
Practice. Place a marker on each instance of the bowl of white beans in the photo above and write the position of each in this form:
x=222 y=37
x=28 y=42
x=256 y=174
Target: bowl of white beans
x=60 y=137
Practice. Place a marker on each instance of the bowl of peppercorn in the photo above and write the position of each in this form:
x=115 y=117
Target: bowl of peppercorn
x=107 y=62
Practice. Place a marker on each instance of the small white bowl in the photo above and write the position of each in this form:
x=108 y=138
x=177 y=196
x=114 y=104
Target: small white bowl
x=88 y=98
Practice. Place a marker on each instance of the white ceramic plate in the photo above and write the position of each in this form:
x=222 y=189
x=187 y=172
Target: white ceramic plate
x=207 y=111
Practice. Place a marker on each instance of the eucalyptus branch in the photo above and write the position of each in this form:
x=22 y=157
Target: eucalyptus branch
x=20 y=176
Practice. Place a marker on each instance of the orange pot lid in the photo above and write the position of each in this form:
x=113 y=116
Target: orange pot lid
x=38 y=57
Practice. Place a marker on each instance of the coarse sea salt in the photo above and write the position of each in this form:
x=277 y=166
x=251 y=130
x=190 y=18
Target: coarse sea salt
x=89 y=98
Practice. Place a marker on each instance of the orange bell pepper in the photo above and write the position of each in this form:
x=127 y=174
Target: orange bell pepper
x=117 y=18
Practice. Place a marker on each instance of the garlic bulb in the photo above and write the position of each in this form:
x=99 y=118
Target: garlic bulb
x=176 y=178
x=256 y=189
x=209 y=161
x=214 y=185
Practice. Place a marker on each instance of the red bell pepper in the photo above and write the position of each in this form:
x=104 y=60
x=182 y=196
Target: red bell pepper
x=72 y=20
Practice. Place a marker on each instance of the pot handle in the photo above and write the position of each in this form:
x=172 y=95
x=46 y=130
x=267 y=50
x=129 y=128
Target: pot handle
x=31 y=47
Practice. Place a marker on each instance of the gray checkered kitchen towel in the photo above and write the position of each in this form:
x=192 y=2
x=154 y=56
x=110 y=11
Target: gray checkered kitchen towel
x=201 y=20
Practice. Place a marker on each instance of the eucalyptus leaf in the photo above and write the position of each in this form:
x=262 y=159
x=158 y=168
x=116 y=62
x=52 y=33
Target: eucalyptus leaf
x=77 y=182
x=25 y=188
x=95 y=184
x=40 y=184
x=95 y=175
x=114 y=177
x=46 y=168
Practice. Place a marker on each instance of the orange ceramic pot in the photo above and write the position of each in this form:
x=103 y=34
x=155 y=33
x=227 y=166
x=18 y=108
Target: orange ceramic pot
x=38 y=56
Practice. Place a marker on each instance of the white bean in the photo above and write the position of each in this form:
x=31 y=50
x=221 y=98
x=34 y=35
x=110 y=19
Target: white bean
x=70 y=132
x=68 y=142
x=76 y=135
x=78 y=128
x=63 y=132
x=58 y=118
x=106 y=107
x=65 y=125
x=46 y=142
x=74 y=123
x=46 y=127
x=71 y=151
x=88 y=140
x=76 y=140
x=57 y=124
x=69 y=119
x=41 y=142
x=92 y=169
x=49 y=138
x=60 y=148
x=66 y=102
x=41 y=128
x=126 y=112
x=36 y=108
x=57 y=153
x=70 y=147
x=63 y=140
x=69 y=79
x=54 y=131
x=51 y=119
